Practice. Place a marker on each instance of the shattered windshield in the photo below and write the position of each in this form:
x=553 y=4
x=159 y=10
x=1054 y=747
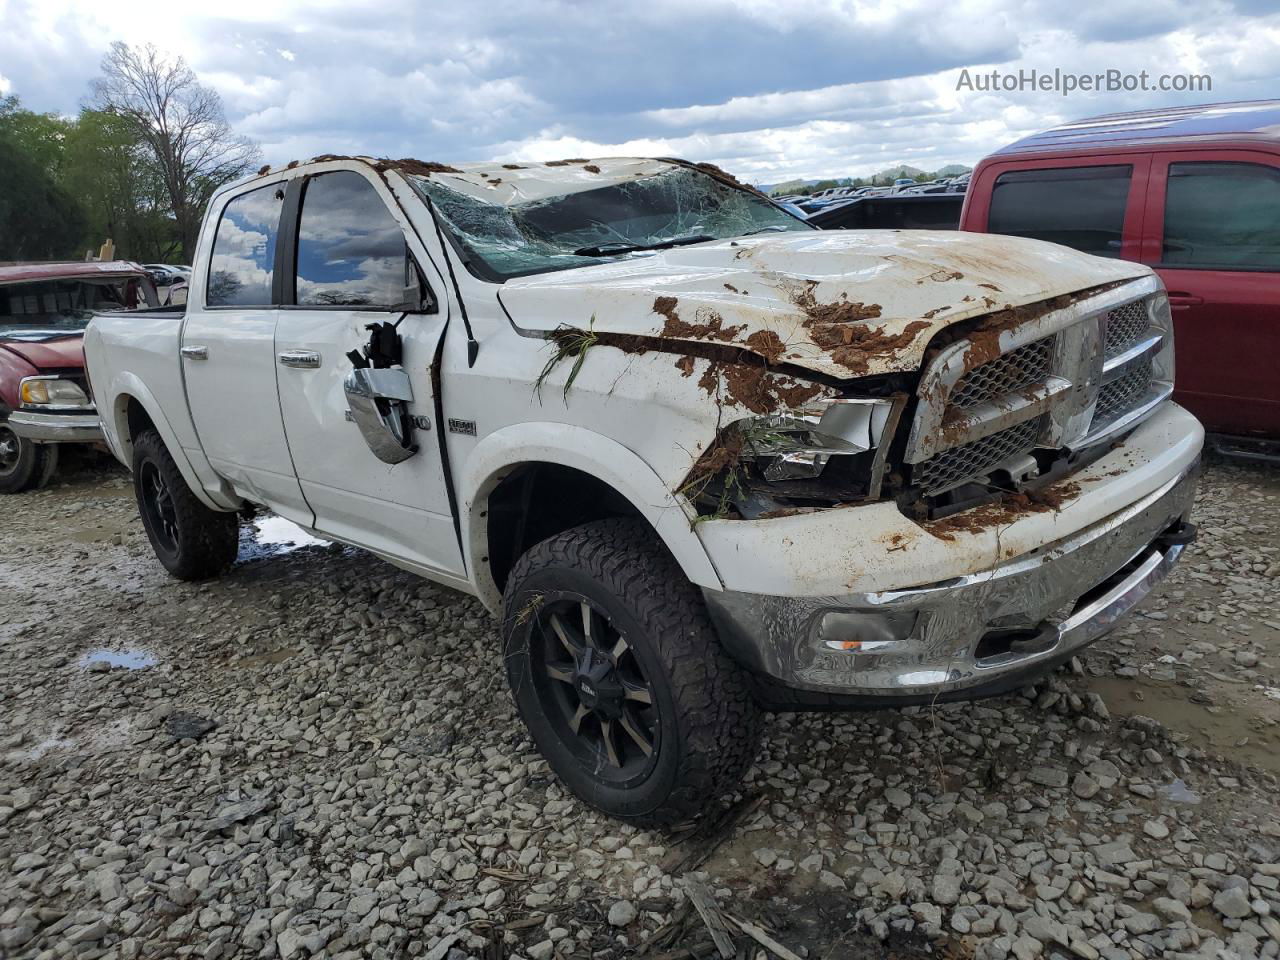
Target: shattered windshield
x=595 y=226
x=44 y=309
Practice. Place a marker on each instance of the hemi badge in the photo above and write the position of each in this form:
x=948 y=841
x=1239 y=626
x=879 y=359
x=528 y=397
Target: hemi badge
x=465 y=427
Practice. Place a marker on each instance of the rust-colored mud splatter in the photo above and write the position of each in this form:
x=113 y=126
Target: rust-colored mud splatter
x=1004 y=511
x=930 y=314
x=685 y=366
x=840 y=328
x=766 y=343
x=591 y=168
x=512 y=166
x=421 y=168
x=752 y=386
x=712 y=329
x=264 y=170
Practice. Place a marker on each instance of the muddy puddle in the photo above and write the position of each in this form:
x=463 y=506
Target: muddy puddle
x=129 y=659
x=1236 y=726
x=272 y=536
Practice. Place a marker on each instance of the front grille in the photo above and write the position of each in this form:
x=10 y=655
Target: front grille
x=972 y=460
x=1119 y=396
x=1008 y=373
x=1125 y=326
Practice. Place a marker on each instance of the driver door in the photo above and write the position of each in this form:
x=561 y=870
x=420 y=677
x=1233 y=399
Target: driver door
x=352 y=254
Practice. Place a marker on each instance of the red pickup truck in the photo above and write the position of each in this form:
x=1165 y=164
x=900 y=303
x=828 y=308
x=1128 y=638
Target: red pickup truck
x=1194 y=192
x=44 y=397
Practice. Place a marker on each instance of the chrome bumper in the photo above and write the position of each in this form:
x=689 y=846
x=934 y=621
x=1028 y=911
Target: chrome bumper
x=56 y=427
x=965 y=637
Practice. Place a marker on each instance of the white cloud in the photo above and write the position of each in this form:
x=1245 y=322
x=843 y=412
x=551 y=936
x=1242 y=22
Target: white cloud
x=816 y=88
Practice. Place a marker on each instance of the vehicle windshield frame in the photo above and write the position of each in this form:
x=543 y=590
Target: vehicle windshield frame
x=482 y=268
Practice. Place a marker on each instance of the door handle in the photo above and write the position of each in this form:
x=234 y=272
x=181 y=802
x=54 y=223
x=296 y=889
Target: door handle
x=195 y=353
x=1184 y=300
x=304 y=359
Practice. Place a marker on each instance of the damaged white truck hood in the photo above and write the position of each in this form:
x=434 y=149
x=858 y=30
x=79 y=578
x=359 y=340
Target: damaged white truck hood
x=839 y=303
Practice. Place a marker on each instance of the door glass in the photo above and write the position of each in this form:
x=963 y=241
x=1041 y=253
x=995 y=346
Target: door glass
x=1222 y=216
x=1080 y=207
x=351 y=251
x=244 y=250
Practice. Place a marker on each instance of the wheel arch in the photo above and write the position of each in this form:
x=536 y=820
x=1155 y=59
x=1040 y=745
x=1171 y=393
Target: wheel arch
x=586 y=476
x=132 y=409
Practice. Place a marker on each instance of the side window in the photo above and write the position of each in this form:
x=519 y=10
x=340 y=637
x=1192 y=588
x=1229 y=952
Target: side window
x=244 y=250
x=1080 y=207
x=1222 y=216
x=351 y=251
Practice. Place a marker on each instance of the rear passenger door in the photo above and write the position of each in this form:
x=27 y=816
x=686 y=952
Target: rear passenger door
x=352 y=256
x=1091 y=204
x=1213 y=235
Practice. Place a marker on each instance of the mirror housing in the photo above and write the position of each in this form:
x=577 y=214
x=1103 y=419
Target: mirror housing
x=376 y=399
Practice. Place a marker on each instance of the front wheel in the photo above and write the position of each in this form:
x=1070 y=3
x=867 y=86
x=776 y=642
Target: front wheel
x=191 y=540
x=618 y=674
x=24 y=465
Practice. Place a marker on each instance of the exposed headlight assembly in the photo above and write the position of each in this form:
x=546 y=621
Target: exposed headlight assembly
x=823 y=453
x=52 y=393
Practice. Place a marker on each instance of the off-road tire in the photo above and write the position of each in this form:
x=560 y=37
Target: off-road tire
x=709 y=725
x=35 y=465
x=206 y=540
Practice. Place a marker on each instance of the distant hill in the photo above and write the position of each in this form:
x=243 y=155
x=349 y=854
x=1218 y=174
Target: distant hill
x=883 y=178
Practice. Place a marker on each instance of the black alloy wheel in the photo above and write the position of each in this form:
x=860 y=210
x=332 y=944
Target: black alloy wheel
x=593 y=688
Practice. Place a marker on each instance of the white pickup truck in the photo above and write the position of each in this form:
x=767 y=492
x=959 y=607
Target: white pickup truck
x=701 y=460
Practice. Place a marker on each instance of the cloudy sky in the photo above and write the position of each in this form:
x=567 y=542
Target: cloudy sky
x=769 y=90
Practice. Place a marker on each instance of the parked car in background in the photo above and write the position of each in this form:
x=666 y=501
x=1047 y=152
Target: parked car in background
x=163 y=274
x=699 y=459
x=1194 y=192
x=44 y=397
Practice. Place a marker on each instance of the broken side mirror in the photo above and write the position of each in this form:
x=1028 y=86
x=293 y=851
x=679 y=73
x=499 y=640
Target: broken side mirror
x=377 y=401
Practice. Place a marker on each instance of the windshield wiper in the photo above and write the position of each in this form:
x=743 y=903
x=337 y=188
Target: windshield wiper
x=610 y=249
x=772 y=228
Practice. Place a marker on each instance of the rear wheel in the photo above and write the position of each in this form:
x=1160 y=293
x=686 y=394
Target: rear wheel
x=620 y=678
x=191 y=540
x=24 y=465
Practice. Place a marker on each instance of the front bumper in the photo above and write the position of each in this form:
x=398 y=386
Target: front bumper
x=57 y=427
x=968 y=636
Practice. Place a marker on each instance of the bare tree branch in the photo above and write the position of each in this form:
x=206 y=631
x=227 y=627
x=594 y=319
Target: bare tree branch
x=182 y=123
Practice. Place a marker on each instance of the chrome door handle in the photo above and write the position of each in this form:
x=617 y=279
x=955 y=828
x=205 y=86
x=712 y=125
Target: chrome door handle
x=306 y=359
x=195 y=353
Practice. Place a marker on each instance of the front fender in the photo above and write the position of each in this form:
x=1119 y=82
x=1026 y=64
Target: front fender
x=593 y=454
x=196 y=470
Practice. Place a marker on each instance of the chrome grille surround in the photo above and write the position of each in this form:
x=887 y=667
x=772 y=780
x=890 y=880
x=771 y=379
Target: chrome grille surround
x=1068 y=378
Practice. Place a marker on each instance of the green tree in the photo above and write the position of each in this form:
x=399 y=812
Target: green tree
x=38 y=219
x=116 y=180
x=40 y=136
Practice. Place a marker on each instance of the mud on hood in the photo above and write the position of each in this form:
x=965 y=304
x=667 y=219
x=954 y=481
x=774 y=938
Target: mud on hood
x=839 y=303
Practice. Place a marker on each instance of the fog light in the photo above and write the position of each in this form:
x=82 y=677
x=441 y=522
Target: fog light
x=852 y=632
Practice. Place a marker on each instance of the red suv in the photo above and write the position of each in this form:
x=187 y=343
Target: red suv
x=1195 y=193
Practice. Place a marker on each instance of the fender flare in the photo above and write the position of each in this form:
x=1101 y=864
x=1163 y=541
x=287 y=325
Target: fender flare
x=126 y=387
x=592 y=453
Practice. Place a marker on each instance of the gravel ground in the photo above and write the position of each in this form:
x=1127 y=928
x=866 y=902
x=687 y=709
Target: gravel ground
x=316 y=755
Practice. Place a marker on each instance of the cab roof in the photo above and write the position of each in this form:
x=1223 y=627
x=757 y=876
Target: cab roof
x=1249 y=120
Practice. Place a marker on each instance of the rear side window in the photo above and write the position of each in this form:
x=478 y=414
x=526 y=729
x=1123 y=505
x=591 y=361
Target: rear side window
x=244 y=250
x=1223 y=216
x=351 y=250
x=1079 y=207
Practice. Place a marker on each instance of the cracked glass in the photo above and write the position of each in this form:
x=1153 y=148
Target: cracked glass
x=596 y=226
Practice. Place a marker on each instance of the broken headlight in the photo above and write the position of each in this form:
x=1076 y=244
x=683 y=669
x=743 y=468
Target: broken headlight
x=820 y=454
x=52 y=392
